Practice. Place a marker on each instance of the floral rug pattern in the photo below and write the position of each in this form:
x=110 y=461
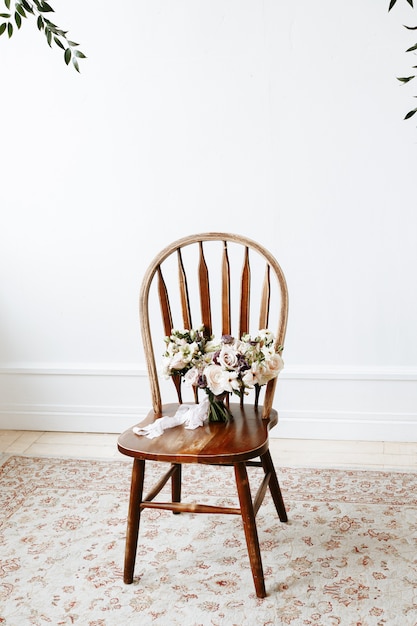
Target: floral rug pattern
x=347 y=556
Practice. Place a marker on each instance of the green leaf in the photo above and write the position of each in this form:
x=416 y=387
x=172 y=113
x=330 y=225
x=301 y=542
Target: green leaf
x=18 y=19
x=45 y=7
x=40 y=23
x=410 y=2
x=2 y=28
x=7 y=3
x=412 y=48
x=406 y=79
x=391 y=4
x=79 y=54
x=20 y=10
x=10 y=29
x=27 y=6
x=59 y=43
x=6 y=15
x=75 y=64
x=48 y=36
x=410 y=114
x=73 y=44
x=410 y=27
x=67 y=55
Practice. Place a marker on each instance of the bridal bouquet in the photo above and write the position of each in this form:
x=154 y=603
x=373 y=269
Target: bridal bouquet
x=227 y=366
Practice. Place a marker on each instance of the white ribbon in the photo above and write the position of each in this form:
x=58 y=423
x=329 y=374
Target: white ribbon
x=191 y=415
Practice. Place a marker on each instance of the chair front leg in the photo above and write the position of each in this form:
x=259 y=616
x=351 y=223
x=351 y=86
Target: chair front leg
x=176 y=485
x=133 y=519
x=249 y=525
x=274 y=487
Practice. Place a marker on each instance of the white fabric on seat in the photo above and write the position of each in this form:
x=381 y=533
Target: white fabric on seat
x=191 y=415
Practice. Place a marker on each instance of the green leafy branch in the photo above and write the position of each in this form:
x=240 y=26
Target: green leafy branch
x=406 y=79
x=38 y=9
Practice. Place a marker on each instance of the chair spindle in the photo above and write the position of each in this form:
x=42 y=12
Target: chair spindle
x=164 y=303
x=244 y=298
x=226 y=325
x=167 y=322
x=266 y=296
x=185 y=300
x=204 y=293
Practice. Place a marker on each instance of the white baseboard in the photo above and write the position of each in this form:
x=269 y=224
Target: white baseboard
x=372 y=404
x=70 y=418
x=338 y=425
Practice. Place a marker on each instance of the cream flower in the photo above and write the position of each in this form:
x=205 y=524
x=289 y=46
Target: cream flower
x=266 y=337
x=212 y=346
x=214 y=377
x=256 y=375
x=274 y=365
x=227 y=357
x=191 y=376
x=220 y=380
x=179 y=361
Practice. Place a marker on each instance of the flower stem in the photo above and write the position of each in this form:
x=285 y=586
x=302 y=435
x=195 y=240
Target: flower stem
x=218 y=411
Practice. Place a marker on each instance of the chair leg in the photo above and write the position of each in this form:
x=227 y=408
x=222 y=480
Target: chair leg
x=133 y=519
x=274 y=487
x=249 y=525
x=176 y=485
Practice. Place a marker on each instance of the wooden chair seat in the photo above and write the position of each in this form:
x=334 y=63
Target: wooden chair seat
x=243 y=438
x=241 y=442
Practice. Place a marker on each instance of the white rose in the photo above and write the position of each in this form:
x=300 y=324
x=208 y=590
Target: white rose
x=227 y=357
x=215 y=378
x=274 y=365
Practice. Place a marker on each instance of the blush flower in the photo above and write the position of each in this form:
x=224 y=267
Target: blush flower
x=227 y=357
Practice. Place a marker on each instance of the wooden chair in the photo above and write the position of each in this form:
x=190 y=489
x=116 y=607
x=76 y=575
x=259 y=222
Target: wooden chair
x=243 y=441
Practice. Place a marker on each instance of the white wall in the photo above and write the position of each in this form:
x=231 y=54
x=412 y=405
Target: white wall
x=278 y=120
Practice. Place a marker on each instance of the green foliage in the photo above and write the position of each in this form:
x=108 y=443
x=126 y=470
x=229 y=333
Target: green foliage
x=413 y=48
x=410 y=114
x=54 y=35
x=391 y=4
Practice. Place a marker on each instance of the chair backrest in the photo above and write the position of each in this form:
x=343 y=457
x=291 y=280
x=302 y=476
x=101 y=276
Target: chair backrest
x=226 y=282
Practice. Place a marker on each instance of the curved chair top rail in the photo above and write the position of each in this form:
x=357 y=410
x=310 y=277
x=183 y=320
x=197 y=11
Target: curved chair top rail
x=154 y=271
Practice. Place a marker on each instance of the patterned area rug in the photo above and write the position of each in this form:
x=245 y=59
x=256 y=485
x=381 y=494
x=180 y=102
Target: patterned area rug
x=347 y=556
